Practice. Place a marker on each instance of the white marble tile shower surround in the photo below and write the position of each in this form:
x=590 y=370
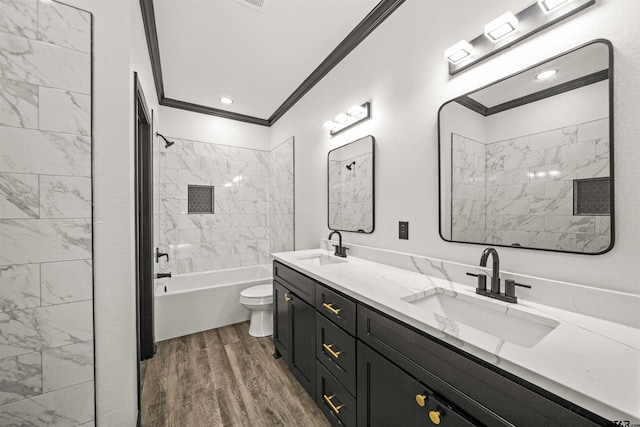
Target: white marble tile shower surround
x=521 y=190
x=281 y=197
x=46 y=285
x=238 y=232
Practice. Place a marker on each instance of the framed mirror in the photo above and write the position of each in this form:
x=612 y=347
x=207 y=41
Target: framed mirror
x=527 y=161
x=350 y=171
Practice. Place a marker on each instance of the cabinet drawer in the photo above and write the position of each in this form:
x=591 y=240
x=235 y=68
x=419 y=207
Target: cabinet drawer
x=478 y=385
x=334 y=400
x=339 y=309
x=336 y=350
x=302 y=285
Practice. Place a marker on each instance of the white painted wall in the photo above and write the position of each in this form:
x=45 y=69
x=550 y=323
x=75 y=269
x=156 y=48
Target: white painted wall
x=205 y=128
x=400 y=68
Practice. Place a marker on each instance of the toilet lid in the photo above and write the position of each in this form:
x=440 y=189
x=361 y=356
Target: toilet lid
x=259 y=291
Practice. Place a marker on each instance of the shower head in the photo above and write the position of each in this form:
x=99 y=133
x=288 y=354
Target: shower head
x=350 y=165
x=166 y=141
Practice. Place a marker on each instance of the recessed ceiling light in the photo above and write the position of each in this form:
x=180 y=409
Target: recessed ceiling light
x=329 y=125
x=226 y=100
x=501 y=27
x=546 y=74
x=356 y=111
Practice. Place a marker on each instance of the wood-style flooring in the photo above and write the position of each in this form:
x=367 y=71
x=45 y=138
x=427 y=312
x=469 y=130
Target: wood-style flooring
x=223 y=377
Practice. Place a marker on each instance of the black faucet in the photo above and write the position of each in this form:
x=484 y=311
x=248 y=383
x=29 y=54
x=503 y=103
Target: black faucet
x=509 y=294
x=163 y=275
x=495 y=273
x=160 y=255
x=341 y=251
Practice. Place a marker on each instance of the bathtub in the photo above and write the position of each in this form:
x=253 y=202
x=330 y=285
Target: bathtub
x=194 y=302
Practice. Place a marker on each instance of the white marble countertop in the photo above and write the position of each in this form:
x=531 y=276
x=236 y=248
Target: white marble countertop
x=591 y=362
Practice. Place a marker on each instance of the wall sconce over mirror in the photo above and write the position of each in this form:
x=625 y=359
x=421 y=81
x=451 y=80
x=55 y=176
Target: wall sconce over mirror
x=350 y=172
x=352 y=117
x=527 y=162
x=509 y=29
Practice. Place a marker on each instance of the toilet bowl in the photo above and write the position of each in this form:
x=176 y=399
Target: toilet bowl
x=259 y=299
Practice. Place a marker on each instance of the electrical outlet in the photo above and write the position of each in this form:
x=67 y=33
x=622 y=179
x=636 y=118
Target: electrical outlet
x=403 y=230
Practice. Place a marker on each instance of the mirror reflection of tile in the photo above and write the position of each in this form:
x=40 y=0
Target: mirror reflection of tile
x=520 y=190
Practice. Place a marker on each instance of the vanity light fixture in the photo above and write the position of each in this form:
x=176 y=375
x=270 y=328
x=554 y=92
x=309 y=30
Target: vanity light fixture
x=342 y=121
x=330 y=125
x=226 y=100
x=501 y=27
x=549 y=6
x=509 y=29
x=341 y=118
x=547 y=74
x=458 y=52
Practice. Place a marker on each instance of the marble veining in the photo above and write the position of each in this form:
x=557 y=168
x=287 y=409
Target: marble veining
x=46 y=289
x=19 y=195
x=59 y=154
x=520 y=191
x=281 y=197
x=18 y=104
x=20 y=377
x=19 y=17
x=591 y=362
x=20 y=285
x=37 y=329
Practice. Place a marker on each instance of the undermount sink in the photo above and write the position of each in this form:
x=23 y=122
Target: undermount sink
x=496 y=318
x=321 y=260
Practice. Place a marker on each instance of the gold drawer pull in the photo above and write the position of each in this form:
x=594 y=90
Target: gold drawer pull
x=287 y=298
x=421 y=399
x=434 y=416
x=334 y=408
x=330 y=308
x=327 y=347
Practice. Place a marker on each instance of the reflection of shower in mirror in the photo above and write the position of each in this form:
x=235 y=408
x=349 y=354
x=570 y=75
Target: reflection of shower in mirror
x=351 y=165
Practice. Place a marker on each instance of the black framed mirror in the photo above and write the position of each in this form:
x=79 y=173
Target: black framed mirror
x=527 y=161
x=350 y=176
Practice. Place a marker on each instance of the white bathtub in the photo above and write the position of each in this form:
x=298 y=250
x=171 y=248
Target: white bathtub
x=194 y=302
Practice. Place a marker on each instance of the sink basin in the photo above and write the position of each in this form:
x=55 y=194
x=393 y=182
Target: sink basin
x=321 y=260
x=496 y=318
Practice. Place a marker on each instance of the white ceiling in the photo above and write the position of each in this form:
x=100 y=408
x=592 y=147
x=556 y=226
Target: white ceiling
x=214 y=48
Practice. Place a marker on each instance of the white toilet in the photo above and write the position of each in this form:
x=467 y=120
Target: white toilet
x=259 y=299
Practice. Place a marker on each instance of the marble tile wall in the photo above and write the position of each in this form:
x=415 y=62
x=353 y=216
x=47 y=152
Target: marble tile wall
x=529 y=188
x=351 y=198
x=238 y=233
x=281 y=197
x=46 y=273
x=468 y=193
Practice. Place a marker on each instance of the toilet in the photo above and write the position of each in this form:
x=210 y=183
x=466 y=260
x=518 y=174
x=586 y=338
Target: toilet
x=259 y=299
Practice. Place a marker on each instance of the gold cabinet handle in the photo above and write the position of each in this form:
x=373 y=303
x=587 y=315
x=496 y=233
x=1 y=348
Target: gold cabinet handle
x=334 y=408
x=327 y=347
x=434 y=416
x=331 y=309
x=421 y=399
x=287 y=298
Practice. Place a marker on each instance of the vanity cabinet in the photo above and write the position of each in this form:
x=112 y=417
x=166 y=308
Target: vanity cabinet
x=294 y=324
x=367 y=368
x=388 y=396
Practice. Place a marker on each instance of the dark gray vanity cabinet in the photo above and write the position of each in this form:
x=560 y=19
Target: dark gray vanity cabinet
x=294 y=324
x=388 y=396
x=367 y=368
x=490 y=396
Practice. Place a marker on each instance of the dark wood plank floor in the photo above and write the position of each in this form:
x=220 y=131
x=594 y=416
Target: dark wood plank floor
x=223 y=377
